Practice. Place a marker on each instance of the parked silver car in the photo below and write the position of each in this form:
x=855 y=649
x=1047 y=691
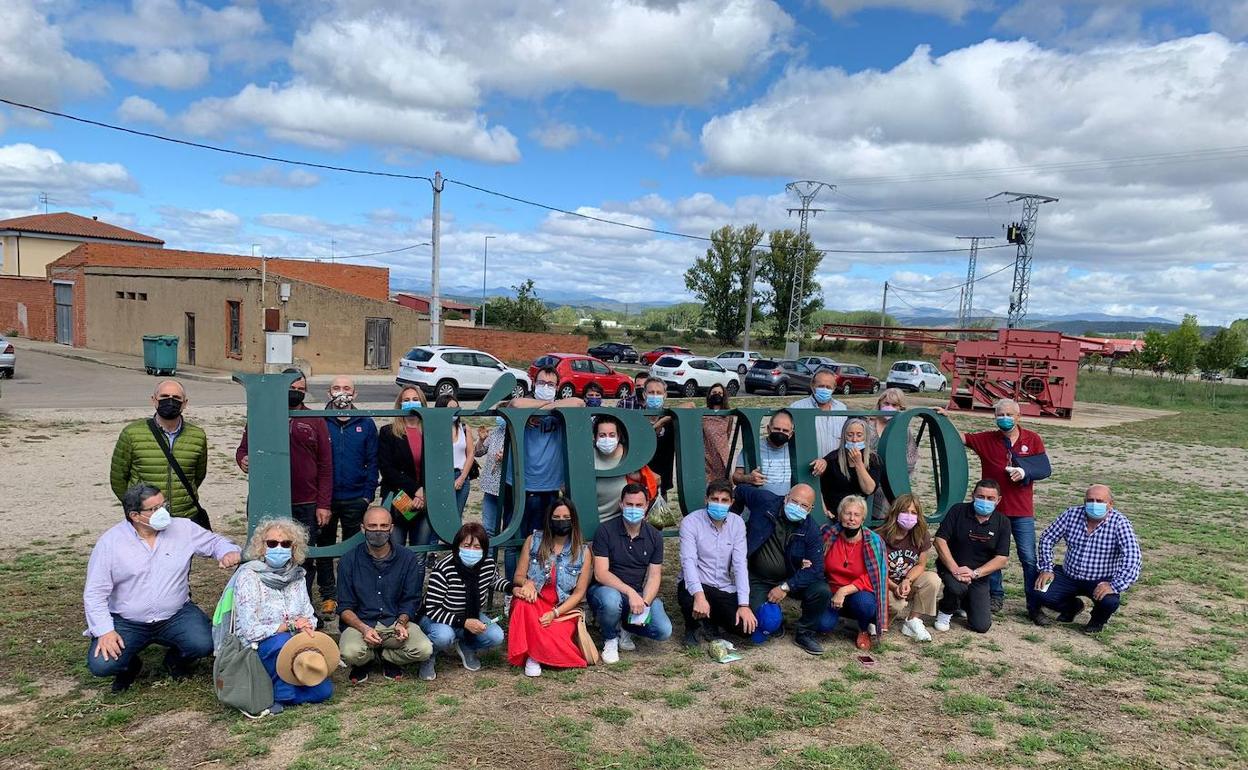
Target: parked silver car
x=8 y=358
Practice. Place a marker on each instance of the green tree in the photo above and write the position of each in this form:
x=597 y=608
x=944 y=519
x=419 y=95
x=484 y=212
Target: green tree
x=1134 y=361
x=525 y=313
x=790 y=250
x=564 y=315
x=1221 y=352
x=1153 y=356
x=1182 y=346
x=719 y=279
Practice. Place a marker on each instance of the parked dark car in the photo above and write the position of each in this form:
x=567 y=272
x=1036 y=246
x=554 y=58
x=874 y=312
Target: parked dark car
x=779 y=377
x=615 y=352
x=854 y=379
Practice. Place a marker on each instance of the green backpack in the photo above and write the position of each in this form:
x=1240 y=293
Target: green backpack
x=238 y=677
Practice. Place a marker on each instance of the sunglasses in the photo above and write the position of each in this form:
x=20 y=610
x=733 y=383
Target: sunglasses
x=276 y=543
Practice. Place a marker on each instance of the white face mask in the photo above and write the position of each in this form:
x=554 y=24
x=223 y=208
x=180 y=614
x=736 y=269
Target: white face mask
x=607 y=444
x=160 y=518
x=544 y=391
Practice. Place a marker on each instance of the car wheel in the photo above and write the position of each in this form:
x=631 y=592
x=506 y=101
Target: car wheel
x=741 y=369
x=615 y=359
x=623 y=391
x=691 y=389
x=875 y=388
x=566 y=390
x=782 y=389
x=445 y=388
x=847 y=389
x=732 y=388
x=943 y=384
x=519 y=391
x=922 y=385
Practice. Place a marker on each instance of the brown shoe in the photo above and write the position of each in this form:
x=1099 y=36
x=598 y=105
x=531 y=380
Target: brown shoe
x=864 y=641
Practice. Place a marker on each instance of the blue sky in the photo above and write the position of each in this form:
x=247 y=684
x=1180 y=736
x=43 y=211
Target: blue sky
x=675 y=114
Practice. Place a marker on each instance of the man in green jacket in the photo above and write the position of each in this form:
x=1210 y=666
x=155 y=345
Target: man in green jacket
x=140 y=454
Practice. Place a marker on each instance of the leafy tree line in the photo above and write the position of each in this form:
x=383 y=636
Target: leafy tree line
x=1182 y=351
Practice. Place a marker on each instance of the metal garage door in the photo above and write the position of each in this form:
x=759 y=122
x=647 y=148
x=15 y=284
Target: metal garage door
x=64 y=313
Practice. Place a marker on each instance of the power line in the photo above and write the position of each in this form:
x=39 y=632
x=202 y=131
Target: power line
x=213 y=148
x=358 y=256
x=960 y=285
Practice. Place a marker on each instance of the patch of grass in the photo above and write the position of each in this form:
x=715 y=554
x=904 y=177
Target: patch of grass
x=613 y=715
x=753 y=723
x=984 y=728
x=328 y=732
x=864 y=756
x=676 y=699
x=970 y=703
x=668 y=754
x=951 y=757
x=1031 y=743
x=854 y=671
x=527 y=687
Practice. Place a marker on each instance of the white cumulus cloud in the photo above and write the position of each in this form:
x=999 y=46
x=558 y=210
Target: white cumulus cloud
x=272 y=176
x=136 y=109
x=166 y=67
x=35 y=66
x=27 y=170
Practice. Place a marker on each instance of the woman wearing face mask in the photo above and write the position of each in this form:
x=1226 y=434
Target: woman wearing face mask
x=401 y=460
x=609 y=447
x=855 y=565
x=853 y=468
x=717 y=432
x=458 y=586
x=661 y=462
x=491 y=440
x=271 y=603
x=463 y=451
x=892 y=400
x=912 y=590
x=551 y=579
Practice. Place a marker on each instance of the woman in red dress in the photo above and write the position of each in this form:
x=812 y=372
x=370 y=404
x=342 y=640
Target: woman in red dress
x=551 y=579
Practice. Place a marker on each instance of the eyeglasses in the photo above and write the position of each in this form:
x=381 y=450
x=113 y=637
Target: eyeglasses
x=153 y=509
x=171 y=397
x=276 y=543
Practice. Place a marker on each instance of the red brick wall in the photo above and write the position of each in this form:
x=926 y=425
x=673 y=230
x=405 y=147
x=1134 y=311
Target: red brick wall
x=518 y=347
x=34 y=295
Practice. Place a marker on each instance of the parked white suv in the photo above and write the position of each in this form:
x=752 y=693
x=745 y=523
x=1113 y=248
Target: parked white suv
x=916 y=376
x=443 y=369
x=741 y=360
x=692 y=375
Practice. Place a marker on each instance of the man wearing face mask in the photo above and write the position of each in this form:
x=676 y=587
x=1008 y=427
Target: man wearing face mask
x=353 y=441
x=1102 y=560
x=784 y=549
x=593 y=395
x=165 y=451
x=827 y=429
x=714 y=588
x=972 y=543
x=137 y=591
x=628 y=567
x=311 y=465
x=636 y=399
x=775 y=470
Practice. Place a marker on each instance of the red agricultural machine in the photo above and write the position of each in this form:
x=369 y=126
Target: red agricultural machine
x=1037 y=369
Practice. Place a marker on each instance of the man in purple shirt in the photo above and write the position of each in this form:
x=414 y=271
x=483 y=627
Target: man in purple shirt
x=714 y=587
x=138 y=592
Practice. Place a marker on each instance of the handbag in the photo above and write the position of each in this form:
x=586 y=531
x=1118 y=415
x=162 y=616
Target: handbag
x=238 y=677
x=201 y=516
x=584 y=642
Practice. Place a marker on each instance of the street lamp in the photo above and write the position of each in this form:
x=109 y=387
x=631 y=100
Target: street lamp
x=485 y=266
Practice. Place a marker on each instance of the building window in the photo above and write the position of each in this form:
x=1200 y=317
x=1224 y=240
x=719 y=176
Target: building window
x=234 y=328
x=143 y=296
x=129 y=295
x=120 y=294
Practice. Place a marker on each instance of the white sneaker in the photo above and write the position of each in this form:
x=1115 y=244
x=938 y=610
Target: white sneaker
x=915 y=629
x=871 y=629
x=942 y=621
x=626 y=641
x=611 y=651
x=532 y=668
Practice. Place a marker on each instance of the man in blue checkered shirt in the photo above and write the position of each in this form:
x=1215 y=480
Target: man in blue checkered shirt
x=1102 y=560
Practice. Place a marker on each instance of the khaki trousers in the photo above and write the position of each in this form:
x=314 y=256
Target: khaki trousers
x=924 y=593
x=355 y=652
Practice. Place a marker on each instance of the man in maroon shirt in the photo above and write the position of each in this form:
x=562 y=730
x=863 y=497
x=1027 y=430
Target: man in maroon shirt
x=1003 y=453
x=311 y=467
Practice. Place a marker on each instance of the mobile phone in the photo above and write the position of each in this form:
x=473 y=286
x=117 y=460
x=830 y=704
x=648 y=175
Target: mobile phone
x=866 y=660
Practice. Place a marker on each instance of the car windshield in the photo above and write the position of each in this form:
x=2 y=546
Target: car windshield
x=764 y=363
x=669 y=361
x=902 y=367
x=419 y=354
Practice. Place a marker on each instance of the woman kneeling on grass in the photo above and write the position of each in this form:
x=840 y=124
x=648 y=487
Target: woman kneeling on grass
x=551 y=579
x=854 y=564
x=912 y=589
x=458 y=587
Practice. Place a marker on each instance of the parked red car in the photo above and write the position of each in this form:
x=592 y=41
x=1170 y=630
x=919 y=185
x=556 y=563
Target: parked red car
x=577 y=370
x=664 y=350
x=854 y=379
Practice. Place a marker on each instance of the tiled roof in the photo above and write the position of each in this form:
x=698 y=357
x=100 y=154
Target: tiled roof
x=65 y=223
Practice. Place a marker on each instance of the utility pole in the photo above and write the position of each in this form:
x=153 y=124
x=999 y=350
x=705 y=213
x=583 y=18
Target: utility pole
x=43 y=198
x=879 y=348
x=332 y=256
x=749 y=299
x=806 y=190
x=965 y=305
x=1023 y=233
x=263 y=272
x=435 y=298
x=485 y=266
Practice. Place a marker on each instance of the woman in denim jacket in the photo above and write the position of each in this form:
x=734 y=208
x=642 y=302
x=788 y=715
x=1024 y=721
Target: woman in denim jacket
x=536 y=635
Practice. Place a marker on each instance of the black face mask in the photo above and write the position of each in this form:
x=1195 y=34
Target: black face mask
x=778 y=438
x=295 y=397
x=641 y=392
x=715 y=400
x=561 y=527
x=850 y=533
x=168 y=408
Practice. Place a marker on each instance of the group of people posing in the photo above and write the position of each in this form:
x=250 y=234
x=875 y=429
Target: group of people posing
x=751 y=548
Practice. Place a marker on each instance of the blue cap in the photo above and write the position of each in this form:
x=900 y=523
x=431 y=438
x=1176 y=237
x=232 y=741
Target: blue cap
x=769 y=619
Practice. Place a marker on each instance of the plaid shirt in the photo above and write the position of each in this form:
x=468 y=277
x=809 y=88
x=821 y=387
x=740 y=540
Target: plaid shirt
x=1110 y=553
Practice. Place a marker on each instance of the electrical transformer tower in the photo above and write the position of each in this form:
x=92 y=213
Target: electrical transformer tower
x=1022 y=233
x=806 y=190
x=968 y=288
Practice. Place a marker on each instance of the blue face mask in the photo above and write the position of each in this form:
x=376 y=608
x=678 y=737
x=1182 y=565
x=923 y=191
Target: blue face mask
x=277 y=557
x=470 y=556
x=822 y=395
x=653 y=401
x=794 y=512
x=593 y=401
x=406 y=405
x=859 y=445
x=633 y=514
x=1095 y=510
x=984 y=507
x=717 y=511
x=1005 y=423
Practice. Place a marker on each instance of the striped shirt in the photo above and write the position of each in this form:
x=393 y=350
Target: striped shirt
x=774 y=463
x=1109 y=553
x=446 y=598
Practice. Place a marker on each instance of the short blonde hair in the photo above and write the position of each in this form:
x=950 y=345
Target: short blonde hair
x=288 y=529
x=891 y=396
x=849 y=500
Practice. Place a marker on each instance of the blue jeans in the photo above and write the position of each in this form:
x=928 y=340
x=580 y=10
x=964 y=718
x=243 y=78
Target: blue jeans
x=1023 y=532
x=491 y=509
x=284 y=692
x=1061 y=597
x=187 y=634
x=861 y=606
x=610 y=607
x=443 y=636
x=461 y=494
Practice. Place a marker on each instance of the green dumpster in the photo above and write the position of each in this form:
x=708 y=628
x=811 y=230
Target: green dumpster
x=160 y=353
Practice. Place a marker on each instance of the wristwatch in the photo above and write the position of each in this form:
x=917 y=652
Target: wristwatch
x=975 y=574
x=785 y=586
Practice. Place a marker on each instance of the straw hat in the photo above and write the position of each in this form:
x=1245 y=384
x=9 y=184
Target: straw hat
x=307 y=660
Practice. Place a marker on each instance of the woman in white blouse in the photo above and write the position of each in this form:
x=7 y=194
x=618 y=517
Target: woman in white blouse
x=462 y=450
x=271 y=603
